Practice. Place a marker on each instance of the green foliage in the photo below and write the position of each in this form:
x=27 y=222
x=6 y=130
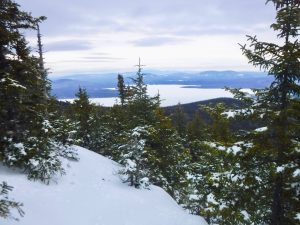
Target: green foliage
x=123 y=92
x=140 y=105
x=28 y=134
x=167 y=157
x=6 y=205
x=270 y=164
x=197 y=129
x=135 y=170
x=256 y=180
x=210 y=183
x=179 y=120
x=164 y=158
x=219 y=127
x=81 y=110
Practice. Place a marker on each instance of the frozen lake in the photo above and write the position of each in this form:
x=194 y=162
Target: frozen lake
x=172 y=95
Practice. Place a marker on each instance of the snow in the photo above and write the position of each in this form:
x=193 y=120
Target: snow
x=229 y=114
x=34 y=162
x=21 y=148
x=211 y=199
x=172 y=95
x=296 y=173
x=245 y=214
x=92 y=193
x=261 y=129
x=279 y=169
x=12 y=83
x=234 y=113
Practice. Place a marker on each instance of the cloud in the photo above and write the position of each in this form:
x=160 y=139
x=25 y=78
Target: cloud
x=186 y=31
x=101 y=58
x=68 y=45
x=166 y=16
x=157 y=41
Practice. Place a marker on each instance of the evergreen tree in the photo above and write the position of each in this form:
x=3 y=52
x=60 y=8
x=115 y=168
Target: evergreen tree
x=122 y=89
x=219 y=127
x=179 y=120
x=46 y=86
x=25 y=133
x=6 y=204
x=140 y=105
x=133 y=158
x=262 y=185
x=164 y=157
x=275 y=149
x=102 y=133
x=82 y=109
x=167 y=157
x=64 y=130
x=197 y=128
x=209 y=183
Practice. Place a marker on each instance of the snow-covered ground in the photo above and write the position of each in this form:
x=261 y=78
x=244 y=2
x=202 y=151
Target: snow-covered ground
x=91 y=193
x=172 y=95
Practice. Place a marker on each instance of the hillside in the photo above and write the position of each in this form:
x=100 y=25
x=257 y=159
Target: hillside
x=190 y=108
x=91 y=193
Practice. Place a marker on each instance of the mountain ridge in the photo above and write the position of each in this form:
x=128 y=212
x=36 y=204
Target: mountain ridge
x=97 y=84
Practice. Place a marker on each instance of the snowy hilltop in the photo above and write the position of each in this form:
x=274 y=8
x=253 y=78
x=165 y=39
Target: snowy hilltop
x=92 y=193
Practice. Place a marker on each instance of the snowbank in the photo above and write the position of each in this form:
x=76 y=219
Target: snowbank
x=92 y=194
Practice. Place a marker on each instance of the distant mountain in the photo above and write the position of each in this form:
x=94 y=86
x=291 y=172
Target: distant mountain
x=190 y=109
x=97 y=84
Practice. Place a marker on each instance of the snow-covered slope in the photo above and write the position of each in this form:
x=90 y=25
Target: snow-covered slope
x=91 y=193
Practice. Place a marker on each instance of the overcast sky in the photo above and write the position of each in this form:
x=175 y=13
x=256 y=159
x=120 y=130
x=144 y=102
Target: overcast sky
x=93 y=36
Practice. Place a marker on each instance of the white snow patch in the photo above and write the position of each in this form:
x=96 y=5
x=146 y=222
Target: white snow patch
x=229 y=114
x=12 y=83
x=296 y=173
x=34 y=162
x=211 y=199
x=21 y=148
x=245 y=214
x=279 y=169
x=91 y=193
x=261 y=129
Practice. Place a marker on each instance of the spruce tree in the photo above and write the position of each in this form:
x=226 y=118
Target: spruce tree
x=167 y=157
x=102 y=132
x=268 y=164
x=197 y=129
x=122 y=89
x=261 y=185
x=219 y=126
x=25 y=133
x=82 y=109
x=6 y=204
x=140 y=105
x=64 y=129
x=180 y=120
x=133 y=159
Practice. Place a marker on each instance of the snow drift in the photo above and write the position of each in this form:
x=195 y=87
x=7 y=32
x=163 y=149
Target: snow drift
x=91 y=193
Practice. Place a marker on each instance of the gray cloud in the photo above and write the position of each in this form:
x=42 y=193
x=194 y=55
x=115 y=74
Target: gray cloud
x=100 y=58
x=99 y=23
x=90 y=59
x=69 y=45
x=157 y=41
x=166 y=17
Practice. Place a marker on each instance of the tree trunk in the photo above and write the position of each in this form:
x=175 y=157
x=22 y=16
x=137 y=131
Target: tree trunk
x=277 y=210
